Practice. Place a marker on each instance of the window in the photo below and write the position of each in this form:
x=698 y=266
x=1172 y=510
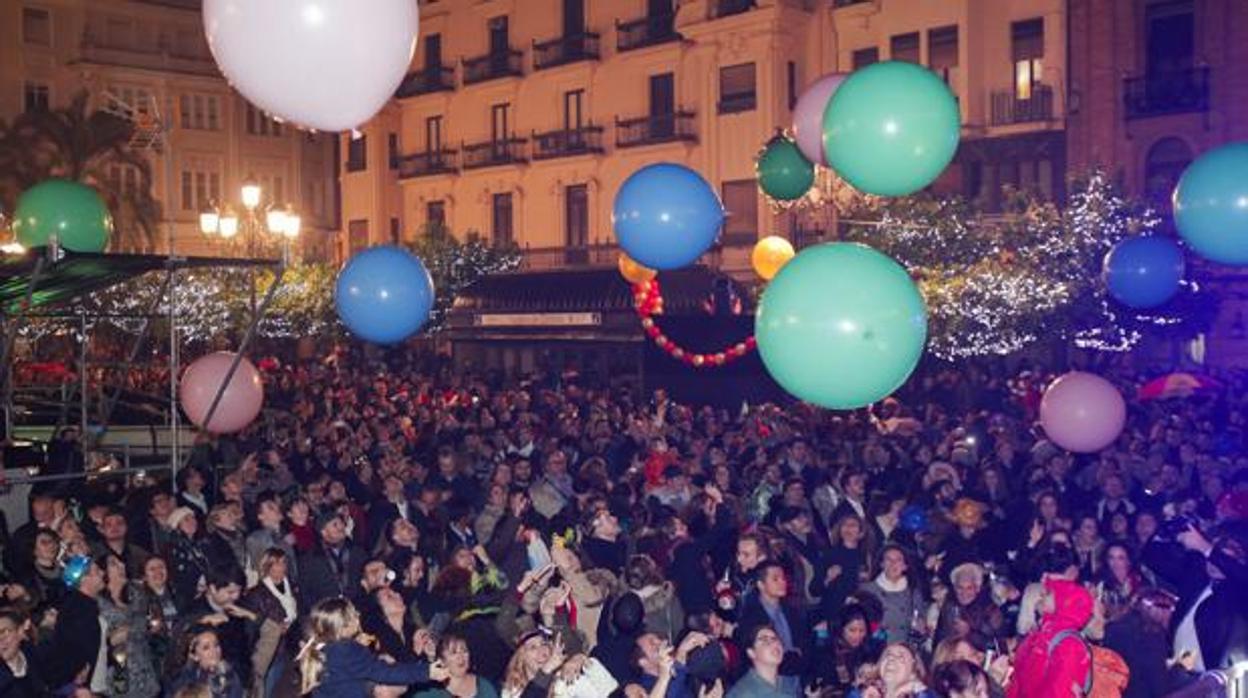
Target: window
x=36 y=97
x=139 y=99
x=357 y=235
x=498 y=122
x=905 y=47
x=573 y=106
x=36 y=26
x=576 y=229
x=199 y=111
x=392 y=150
x=272 y=189
x=736 y=88
x=1170 y=38
x=201 y=187
x=502 y=232
x=741 y=203
x=394 y=231
x=125 y=179
x=791 y=78
x=1027 y=47
x=435 y=215
x=433 y=134
x=500 y=38
x=260 y=124
x=864 y=57
x=433 y=51
x=942 y=52
x=1165 y=161
x=357 y=154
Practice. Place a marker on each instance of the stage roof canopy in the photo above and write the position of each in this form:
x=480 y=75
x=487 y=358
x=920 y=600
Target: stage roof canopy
x=75 y=274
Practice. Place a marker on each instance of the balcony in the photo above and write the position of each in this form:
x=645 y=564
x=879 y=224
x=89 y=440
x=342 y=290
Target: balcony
x=491 y=66
x=560 y=143
x=438 y=78
x=647 y=31
x=1173 y=92
x=1008 y=109
x=727 y=8
x=656 y=128
x=564 y=50
x=510 y=151
x=849 y=3
x=551 y=258
x=427 y=164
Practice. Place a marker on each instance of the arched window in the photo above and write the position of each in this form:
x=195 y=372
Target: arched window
x=1165 y=163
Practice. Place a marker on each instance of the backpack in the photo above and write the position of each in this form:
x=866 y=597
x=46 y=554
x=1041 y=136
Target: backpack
x=1107 y=672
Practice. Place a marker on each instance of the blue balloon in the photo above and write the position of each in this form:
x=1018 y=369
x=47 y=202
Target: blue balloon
x=1144 y=271
x=666 y=216
x=384 y=294
x=913 y=518
x=1211 y=204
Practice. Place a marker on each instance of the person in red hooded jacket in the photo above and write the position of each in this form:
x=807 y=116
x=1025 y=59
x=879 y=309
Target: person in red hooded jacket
x=1053 y=661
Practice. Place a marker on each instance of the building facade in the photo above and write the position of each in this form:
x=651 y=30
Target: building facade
x=1153 y=84
x=150 y=59
x=521 y=118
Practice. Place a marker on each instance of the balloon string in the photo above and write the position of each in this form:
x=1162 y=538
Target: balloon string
x=648 y=301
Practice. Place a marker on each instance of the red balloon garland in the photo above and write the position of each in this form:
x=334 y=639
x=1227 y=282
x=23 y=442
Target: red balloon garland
x=648 y=301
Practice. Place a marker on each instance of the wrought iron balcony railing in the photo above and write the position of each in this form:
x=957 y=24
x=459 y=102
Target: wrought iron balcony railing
x=494 y=65
x=651 y=30
x=564 y=50
x=434 y=162
x=436 y=78
x=656 y=128
x=1008 y=108
x=564 y=142
x=1171 y=92
x=509 y=151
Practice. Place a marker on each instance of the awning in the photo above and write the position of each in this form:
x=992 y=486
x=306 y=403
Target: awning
x=75 y=274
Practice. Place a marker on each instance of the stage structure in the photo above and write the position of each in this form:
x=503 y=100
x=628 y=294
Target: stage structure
x=44 y=282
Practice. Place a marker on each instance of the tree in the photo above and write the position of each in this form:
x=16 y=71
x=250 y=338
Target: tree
x=996 y=284
x=455 y=265
x=74 y=143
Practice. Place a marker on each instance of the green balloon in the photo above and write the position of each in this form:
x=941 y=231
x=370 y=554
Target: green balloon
x=891 y=128
x=71 y=211
x=783 y=172
x=841 y=326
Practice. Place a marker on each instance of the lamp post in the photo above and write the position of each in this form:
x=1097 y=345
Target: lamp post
x=281 y=223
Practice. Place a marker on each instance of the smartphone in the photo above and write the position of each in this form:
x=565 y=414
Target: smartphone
x=989 y=656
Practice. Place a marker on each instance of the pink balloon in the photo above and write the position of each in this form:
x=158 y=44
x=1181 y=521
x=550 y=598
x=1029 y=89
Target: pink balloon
x=808 y=116
x=1082 y=412
x=239 y=404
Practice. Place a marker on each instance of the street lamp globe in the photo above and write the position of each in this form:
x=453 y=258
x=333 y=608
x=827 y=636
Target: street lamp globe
x=275 y=220
x=293 y=223
x=251 y=195
x=209 y=221
x=228 y=223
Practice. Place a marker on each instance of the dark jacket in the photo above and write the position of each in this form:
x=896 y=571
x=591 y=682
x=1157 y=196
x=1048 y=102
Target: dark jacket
x=799 y=657
x=29 y=686
x=350 y=667
x=74 y=643
x=222 y=685
x=322 y=576
x=1222 y=618
x=1145 y=649
x=187 y=564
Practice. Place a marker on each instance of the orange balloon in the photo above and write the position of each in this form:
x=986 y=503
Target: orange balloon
x=634 y=272
x=770 y=254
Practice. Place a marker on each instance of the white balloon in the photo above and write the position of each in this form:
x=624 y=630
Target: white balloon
x=329 y=65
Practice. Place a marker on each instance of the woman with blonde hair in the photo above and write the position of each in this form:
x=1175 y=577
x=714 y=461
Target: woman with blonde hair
x=335 y=663
x=899 y=674
x=532 y=668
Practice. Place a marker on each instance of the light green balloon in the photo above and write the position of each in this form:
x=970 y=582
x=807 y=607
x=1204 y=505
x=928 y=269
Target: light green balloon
x=841 y=326
x=72 y=211
x=891 y=128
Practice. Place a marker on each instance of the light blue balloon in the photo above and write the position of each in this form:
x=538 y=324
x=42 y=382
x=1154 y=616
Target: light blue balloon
x=1144 y=271
x=384 y=294
x=841 y=326
x=666 y=216
x=1211 y=204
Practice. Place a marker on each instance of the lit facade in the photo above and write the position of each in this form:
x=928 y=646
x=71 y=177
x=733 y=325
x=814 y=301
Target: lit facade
x=1153 y=85
x=521 y=124
x=153 y=57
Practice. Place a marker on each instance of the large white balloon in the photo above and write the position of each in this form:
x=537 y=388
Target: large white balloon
x=329 y=65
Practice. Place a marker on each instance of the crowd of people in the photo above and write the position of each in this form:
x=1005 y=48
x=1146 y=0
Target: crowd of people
x=393 y=528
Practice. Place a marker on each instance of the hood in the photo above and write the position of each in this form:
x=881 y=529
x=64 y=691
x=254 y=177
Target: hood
x=1072 y=607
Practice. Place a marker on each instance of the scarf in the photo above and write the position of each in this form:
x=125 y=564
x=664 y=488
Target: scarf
x=285 y=597
x=892 y=587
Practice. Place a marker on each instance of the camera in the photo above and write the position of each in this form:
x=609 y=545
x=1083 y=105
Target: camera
x=1172 y=527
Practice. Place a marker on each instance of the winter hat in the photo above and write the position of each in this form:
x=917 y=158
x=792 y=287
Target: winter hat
x=177 y=516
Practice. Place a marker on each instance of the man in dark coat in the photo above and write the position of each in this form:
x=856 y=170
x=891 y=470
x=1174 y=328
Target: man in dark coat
x=332 y=569
x=770 y=607
x=72 y=652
